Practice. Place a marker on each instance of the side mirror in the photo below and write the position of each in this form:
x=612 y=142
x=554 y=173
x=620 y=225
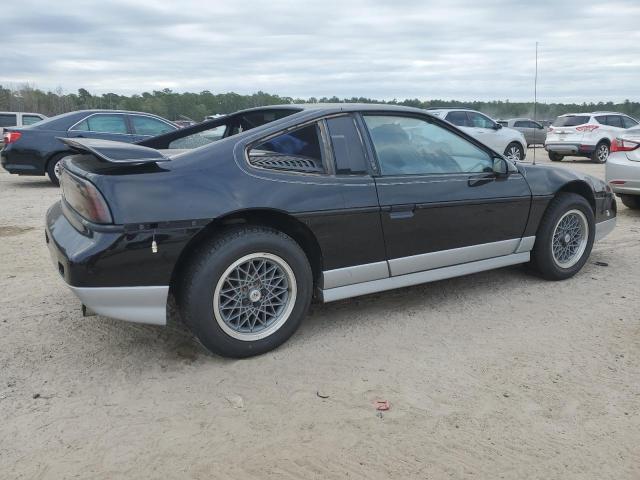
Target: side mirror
x=500 y=167
x=497 y=126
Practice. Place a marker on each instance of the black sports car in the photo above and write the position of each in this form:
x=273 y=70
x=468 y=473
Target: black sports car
x=37 y=150
x=292 y=202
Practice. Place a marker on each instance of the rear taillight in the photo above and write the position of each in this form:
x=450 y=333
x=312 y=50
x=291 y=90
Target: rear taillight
x=621 y=145
x=587 y=128
x=84 y=198
x=10 y=137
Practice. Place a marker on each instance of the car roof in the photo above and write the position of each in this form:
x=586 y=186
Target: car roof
x=335 y=107
x=584 y=114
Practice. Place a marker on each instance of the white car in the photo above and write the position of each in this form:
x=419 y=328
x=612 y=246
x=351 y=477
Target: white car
x=623 y=168
x=585 y=134
x=503 y=140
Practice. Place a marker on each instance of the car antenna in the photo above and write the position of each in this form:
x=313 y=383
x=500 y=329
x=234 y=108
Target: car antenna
x=535 y=100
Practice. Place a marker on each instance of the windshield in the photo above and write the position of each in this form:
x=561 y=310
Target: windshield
x=571 y=120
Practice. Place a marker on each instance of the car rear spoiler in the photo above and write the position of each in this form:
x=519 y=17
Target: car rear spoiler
x=115 y=152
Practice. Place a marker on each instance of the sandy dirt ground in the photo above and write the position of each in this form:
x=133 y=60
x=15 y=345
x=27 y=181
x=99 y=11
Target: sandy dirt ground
x=494 y=375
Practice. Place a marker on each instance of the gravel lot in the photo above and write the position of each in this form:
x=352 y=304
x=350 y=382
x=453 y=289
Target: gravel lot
x=495 y=375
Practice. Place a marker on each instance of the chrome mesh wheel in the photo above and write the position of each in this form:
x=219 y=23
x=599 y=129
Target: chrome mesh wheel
x=570 y=238
x=254 y=297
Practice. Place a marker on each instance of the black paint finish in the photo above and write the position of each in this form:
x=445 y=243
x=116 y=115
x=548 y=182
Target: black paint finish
x=354 y=218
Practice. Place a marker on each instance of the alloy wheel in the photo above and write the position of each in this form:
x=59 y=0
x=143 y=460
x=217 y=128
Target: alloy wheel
x=513 y=153
x=570 y=238
x=603 y=153
x=255 y=296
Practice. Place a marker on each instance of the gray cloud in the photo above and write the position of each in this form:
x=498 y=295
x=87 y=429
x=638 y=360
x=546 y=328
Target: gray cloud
x=460 y=49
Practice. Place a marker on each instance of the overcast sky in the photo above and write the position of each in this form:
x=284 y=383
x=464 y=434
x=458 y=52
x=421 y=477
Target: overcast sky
x=465 y=49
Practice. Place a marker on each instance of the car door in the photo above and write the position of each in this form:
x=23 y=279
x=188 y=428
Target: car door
x=523 y=126
x=146 y=126
x=107 y=126
x=485 y=130
x=441 y=202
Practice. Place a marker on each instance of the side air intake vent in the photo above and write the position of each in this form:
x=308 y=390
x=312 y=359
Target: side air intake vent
x=285 y=162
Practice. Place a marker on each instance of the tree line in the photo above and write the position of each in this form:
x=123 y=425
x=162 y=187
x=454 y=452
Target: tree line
x=195 y=106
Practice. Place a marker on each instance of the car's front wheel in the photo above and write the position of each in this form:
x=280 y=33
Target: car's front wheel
x=514 y=152
x=555 y=157
x=247 y=291
x=631 y=201
x=564 y=238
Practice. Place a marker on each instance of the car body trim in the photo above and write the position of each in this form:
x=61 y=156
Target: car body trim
x=357 y=274
x=604 y=228
x=526 y=244
x=132 y=304
x=454 y=256
x=348 y=291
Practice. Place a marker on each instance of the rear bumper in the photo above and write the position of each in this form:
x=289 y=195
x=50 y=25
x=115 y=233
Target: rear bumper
x=19 y=168
x=622 y=174
x=101 y=273
x=570 y=148
x=132 y=304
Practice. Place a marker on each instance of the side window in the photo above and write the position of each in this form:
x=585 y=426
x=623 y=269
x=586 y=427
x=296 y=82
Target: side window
x=411 y=146
x=296 y=151
x=8 y=120
x=199 y=139
x=458 y=118
x=629 y=122
x=347 y=146
x=103 y=124
x=149 y=126
x=30 y=119
x=522 y=124
x=614 y=121
x=480 y=121
x=535 y=125
x=602 y=119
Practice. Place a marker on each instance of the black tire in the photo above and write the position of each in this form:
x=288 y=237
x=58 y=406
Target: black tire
x=514 y=149
x=542 y=257
x=598 y=155
x=51 y=168
x=555 y=157
x=204 y=273
x=631 y=201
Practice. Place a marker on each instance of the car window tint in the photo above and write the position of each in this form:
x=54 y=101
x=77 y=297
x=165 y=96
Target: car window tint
x=480 y=121
x=522 y=124
x=629 y=122
x=571 y=121
x=458 y=118
x=536 y=125
x=411 y=146
x=199 y=139
x=103 y=124
x=30 y=119
x=8 y=120
x=347 y=146
x=149 y=126
x=614 y=121
x=299 y=150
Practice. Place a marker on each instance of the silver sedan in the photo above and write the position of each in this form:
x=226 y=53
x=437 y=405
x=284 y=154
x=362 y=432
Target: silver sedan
x=534 y=132
x=623 y=167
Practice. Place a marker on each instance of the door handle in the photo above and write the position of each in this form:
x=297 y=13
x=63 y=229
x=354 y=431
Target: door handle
x=399 y=212
x=480 y=180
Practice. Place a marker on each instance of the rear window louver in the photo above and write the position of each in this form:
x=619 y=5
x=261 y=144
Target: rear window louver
x=285 y=162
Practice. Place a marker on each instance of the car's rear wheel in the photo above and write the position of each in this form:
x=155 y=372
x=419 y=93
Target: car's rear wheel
x=631 y=201
x=514 y=152
x=555 y=157
x=247 y=291
x=564 y=238
x=54 y=169
x=601 y=153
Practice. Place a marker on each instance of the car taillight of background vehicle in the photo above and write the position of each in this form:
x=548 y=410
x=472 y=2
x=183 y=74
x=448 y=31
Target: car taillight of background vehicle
x=10 y=137
x=84 y=198
x=621 y=145
x=587 y=128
